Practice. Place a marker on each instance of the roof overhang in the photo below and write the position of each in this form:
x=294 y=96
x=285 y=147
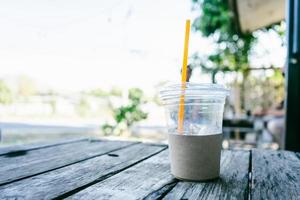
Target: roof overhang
x=251 y=15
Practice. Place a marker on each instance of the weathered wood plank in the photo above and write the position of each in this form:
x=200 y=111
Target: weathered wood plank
x=27 y=147
x=20 y=157
x=232 y=184
x=133 y=183
x=58 y=182
x=275 y=175
x=45 y=159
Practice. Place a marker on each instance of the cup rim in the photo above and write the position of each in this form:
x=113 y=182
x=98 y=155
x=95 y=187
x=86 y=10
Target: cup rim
x=173 y=90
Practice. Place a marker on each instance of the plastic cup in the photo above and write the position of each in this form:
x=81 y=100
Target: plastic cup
x=195 y=152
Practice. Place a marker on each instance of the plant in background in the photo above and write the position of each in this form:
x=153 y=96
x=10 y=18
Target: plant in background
x=126 y=115
x=232 y=48
x=6 y=96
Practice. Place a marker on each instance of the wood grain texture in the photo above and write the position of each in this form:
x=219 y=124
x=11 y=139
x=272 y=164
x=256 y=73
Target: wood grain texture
x=275 y=175
x=126 y=170
x=28 y=147
x=58 y=182
x=45 y=159
x=232 y=184
x=135 y=182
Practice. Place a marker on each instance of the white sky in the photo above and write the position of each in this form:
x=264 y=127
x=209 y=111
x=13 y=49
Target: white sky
x=82 y=44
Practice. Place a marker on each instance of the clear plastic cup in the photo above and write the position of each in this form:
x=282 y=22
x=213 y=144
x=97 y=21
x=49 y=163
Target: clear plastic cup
x=195 y=152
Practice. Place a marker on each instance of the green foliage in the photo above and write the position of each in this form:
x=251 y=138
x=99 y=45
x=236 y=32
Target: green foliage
x=108 y=129
x=232 y=47
x=5 y=93
x=126 y=115
x=214 y=17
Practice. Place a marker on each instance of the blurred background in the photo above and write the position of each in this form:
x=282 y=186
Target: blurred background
x=94 y=68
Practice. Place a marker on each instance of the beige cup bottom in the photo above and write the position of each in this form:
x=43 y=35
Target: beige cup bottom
x=195 y=158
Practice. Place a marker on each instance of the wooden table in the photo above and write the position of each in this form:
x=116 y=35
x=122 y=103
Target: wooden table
x=100 y=169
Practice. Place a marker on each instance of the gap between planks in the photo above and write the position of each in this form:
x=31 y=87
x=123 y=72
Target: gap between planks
x=159 y=185
x=72 y=192
x=35 y=146
x=180 y=190
x=71 y=163
x=58 y=182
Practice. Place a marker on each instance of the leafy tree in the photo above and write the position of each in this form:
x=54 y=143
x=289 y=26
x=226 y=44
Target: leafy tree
x=232 y=48
x=5 y=93
x=126 y=115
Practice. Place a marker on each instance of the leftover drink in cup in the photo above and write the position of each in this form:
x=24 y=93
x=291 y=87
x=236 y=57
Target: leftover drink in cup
x=195 y=148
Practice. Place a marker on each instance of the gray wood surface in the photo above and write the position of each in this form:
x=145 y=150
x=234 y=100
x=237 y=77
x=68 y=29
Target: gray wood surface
x=125 y=170
x=135 y=182
x=232 y=184
x=275 y=175
x=28 y=147
x=58 y=182
x=45 y=159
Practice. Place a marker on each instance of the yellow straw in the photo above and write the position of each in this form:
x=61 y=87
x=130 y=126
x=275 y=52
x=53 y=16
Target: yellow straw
x=183 y=77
